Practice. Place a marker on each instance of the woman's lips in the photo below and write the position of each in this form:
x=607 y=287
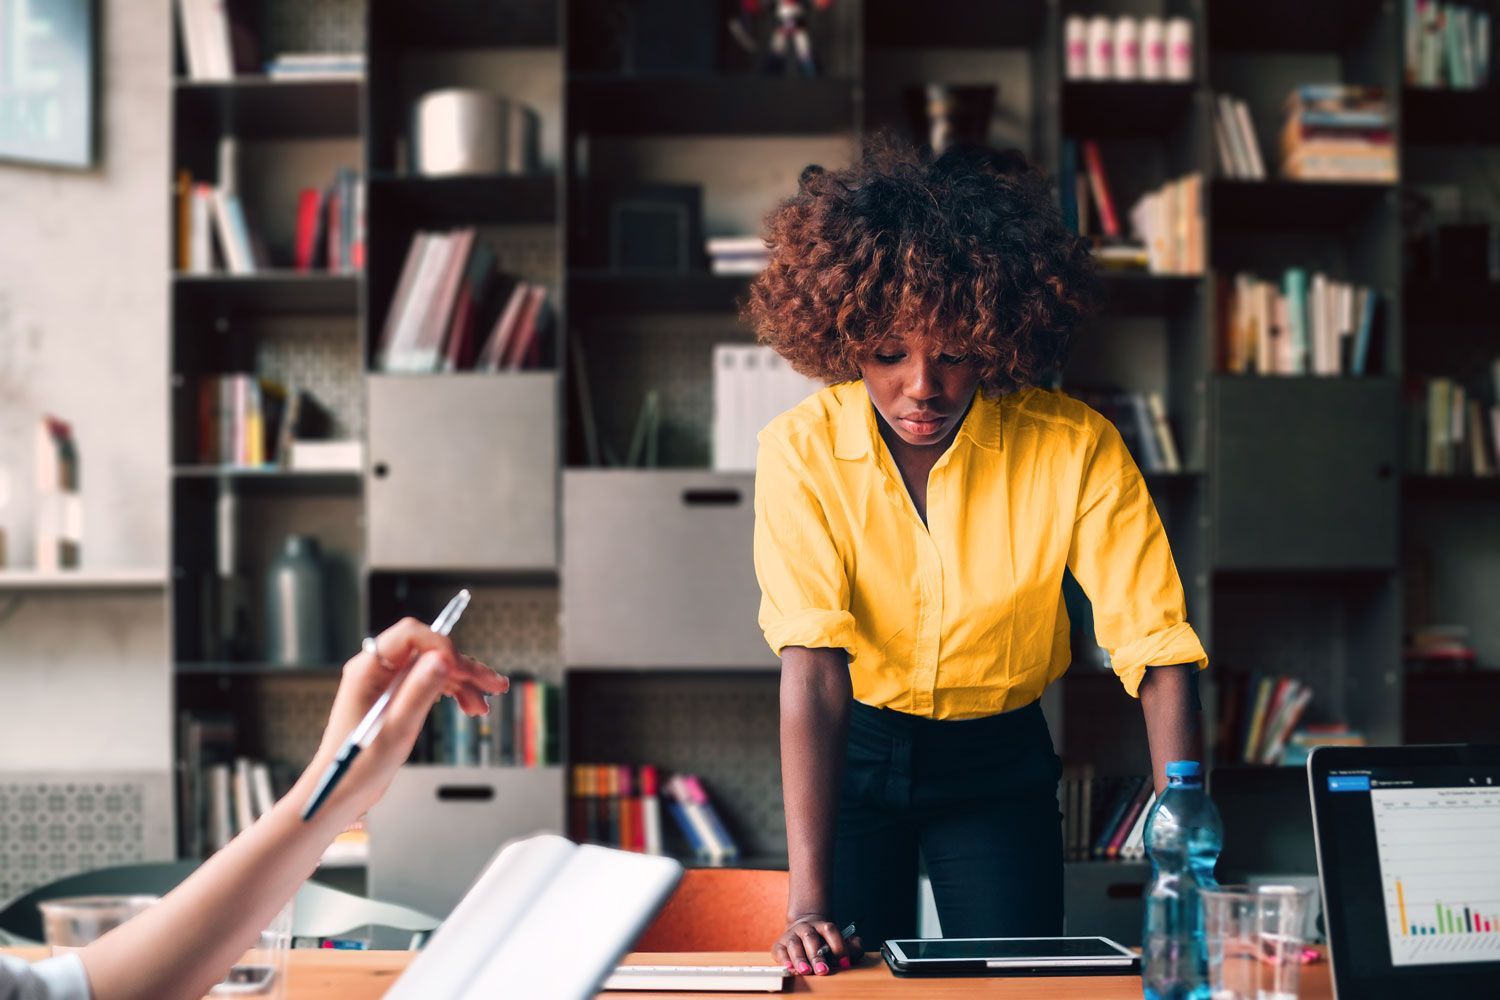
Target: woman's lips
x=923 y=424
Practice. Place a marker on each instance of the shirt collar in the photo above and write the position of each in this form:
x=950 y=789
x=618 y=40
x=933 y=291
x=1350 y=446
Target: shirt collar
x=856 y=430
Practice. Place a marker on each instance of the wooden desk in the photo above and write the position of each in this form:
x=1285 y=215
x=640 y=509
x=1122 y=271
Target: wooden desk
x=366 y=975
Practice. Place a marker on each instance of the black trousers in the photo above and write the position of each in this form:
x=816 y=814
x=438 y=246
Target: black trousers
x=977 y=798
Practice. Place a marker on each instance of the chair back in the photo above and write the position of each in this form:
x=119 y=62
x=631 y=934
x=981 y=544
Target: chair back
x=20 y=918
x=320 y=910
x=721 y=909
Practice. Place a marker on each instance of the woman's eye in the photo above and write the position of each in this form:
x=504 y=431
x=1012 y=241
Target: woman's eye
x=888 y=359
x=954 y=359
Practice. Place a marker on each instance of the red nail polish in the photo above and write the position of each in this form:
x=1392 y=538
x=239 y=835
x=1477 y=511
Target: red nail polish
x=844 y=962
x=821 y=969
x=802 y=968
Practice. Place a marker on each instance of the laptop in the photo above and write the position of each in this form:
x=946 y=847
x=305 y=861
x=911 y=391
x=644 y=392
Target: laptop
x=547 y=920
x=1408 y=844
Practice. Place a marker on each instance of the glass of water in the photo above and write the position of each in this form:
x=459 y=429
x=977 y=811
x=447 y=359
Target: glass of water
x=1254 y=940
x=70 y=922
x=261 y=970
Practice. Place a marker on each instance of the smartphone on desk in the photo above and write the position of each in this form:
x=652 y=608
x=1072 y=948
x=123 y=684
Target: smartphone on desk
x=1058 y=956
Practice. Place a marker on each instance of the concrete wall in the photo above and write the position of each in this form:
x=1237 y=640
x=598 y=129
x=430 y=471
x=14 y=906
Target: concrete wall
x=85 y=681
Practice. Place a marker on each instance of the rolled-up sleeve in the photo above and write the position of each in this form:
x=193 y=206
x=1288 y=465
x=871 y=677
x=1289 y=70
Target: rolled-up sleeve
x=1120 y=556
x=58 y=978
x=804 y=589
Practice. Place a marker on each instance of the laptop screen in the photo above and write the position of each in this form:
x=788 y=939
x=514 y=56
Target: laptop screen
x=1410 y=851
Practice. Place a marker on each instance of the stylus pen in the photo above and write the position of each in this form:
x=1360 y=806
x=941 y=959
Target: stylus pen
x=369 y=727
x=848 y=932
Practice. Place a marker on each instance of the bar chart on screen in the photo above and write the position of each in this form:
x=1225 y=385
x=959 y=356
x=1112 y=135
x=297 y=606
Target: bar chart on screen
x=1439 y=854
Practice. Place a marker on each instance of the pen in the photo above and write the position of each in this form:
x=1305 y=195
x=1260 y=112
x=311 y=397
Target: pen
x=369 y=727
x=848 y=932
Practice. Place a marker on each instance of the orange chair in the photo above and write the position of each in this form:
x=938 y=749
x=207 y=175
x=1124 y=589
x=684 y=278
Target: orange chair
x=721 y=909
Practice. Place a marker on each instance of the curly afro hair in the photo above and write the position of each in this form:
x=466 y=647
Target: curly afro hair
x=967 y=250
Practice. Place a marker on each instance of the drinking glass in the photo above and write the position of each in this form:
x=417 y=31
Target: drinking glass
x=1254 y=940
x=70 y=922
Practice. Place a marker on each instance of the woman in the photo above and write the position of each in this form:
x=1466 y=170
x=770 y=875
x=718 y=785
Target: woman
x=912 y=526
x=183 y=945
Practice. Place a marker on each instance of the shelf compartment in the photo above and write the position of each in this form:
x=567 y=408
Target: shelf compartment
x=266 y=294
x=1290 y=25
x=1282 y=204
x=469 y=24
x=1132 y=293
x=273 y=479
x=900 y=24
x=254 y=108
x=1435 y=116
x=1113 y=109
x=493 y=199
x=1476 y=302
x=660 y=571
x=221 y=668
x=618 y=292
x=710 y=105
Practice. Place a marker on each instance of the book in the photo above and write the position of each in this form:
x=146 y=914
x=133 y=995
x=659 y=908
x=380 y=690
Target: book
x=1094 y=165
x=310 y=206
x=492 y=355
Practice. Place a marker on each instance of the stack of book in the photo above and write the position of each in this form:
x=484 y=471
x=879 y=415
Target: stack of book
x=1235 y=141
x=1104 y=818
x=736 y=254
x=1440 y=649
x=220 y=793
x=1258 y=714
x=217 y=39
x=1304 y=325
x=1454 y=430
x=1141 y=418
x=1327 y=734
x=752 y=385
x=214 y=235
x=1168 y=222
x=452 y=311
x=331 y=226
x=317 y=66
x=1447 y=45
x=245 y=421
x=616 y=805
x=523 y=729
x=1338 y=132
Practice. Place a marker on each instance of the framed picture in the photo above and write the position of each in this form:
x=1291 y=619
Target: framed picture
x=49 y=72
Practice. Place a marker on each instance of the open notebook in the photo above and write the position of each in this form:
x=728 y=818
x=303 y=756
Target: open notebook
x=547 y=920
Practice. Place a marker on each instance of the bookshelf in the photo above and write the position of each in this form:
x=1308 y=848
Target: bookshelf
x=649 y=567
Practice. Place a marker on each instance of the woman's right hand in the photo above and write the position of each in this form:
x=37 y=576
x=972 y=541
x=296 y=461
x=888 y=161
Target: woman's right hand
x=797 y=948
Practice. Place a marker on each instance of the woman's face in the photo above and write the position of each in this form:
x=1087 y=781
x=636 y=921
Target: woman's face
x=921 y=396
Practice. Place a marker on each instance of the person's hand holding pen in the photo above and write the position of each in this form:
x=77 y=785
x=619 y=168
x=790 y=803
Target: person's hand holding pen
x=812 y=944
x=437 y=669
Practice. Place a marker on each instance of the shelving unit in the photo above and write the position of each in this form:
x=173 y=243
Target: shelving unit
x=24 y=581
x=659 y=649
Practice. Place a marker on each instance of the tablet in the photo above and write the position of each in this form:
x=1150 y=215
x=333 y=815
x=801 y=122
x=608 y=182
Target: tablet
x=1408 y=842
x=1059 y=956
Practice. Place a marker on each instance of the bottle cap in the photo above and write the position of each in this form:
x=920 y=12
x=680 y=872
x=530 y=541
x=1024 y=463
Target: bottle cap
x=1184 y=769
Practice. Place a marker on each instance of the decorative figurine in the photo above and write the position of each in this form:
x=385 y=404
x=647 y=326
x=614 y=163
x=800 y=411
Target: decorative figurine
x=790 y=30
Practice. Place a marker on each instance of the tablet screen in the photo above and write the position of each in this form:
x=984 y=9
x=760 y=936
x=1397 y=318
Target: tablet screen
x=999 y=949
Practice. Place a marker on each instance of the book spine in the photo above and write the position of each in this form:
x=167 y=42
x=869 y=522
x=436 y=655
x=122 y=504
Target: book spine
x=1097 y=181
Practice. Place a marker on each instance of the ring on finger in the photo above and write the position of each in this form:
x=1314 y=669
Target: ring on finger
x=369 y=645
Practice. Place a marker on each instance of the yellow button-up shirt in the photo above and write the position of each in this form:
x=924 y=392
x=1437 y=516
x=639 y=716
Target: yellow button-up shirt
x=962 y=617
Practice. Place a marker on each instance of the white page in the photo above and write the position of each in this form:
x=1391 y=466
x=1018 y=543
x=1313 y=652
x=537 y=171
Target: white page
x=501 y=896
x=576 y=929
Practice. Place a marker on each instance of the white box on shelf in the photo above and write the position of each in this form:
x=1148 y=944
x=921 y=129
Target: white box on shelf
x=327 y=456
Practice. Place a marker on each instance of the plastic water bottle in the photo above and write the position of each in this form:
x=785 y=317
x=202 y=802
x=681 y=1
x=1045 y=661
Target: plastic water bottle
x=1183 y=836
